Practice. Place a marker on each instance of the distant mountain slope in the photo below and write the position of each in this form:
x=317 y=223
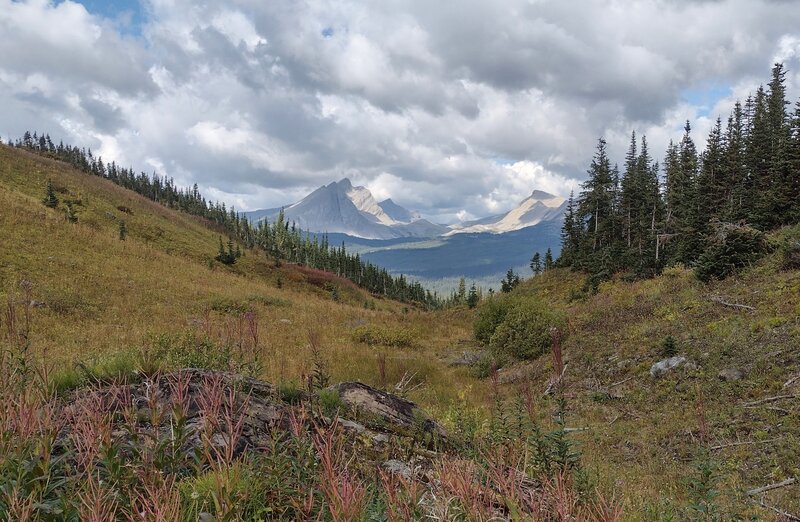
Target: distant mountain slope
x=537 y=208
x=467 y=254
x=397 y=212
x=339 y=207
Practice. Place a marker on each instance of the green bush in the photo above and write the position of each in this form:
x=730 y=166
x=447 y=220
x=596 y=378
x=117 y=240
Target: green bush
x=731 y=246
x=383 y=336
x=525 y=330
x=491 y=314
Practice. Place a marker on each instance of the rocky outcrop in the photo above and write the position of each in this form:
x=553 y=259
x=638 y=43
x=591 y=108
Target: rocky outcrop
x=384 y=411
x=210 y=404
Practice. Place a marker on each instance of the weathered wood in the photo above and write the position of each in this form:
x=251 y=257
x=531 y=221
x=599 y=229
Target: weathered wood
x=783 y=514
x=742 y=443
x=739 y=306
x=768 y=399
x=770 y=487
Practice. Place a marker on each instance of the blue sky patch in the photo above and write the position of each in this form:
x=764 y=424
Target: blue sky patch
x=127 y=15
x=704 y=98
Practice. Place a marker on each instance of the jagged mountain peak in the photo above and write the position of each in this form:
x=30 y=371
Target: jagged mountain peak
x=341 y=207
x=538 y=207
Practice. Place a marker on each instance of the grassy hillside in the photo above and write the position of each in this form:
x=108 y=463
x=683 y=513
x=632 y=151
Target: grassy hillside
x=99 y=304
x=97 y=298
x=644 y=432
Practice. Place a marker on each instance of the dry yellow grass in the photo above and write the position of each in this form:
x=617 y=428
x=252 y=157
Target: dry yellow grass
x=102 y=296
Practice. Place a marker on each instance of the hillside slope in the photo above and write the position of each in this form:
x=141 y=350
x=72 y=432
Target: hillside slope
x=95 y=297
x=644 y=432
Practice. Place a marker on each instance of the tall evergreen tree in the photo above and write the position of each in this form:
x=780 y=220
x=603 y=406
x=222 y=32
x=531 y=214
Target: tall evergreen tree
x=735 y=184
x=596 y=201
x=571 y=233
x=536 y=264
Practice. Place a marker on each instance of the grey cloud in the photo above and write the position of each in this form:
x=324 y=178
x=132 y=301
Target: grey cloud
x=106 y=118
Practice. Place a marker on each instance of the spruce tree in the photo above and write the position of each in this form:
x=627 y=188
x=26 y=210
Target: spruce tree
x=461 y=295
x=70 y=214
x=123 y=231
x=596 y=201
x=510 y=282
x=536 y=264
x=735 y=184
x=473 y=298
x=571 y=233
x=776 y=204
x=548 y=259
x=50 y=200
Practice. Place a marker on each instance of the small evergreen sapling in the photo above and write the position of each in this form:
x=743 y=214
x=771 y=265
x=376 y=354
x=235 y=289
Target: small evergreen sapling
x=229 y=256
x=548 y=259
x=50 y=200
x=123 y=231
x=510 y=282
x=473 y=298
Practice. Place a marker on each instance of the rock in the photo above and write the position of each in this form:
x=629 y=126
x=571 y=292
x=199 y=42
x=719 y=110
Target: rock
x=466 y=358
x=664 y=366
x=397 y=467
x=731 y=374
x=386 y=412
x=353 y=426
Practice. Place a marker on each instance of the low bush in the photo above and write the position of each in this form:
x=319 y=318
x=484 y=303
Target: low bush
x=491 y=314
x=525 y=330
x=790 y=254
x=185 y=350
x=731 y=246
x=516 y=326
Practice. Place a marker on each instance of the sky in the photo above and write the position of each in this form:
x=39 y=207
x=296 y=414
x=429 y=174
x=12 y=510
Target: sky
x=457 y=109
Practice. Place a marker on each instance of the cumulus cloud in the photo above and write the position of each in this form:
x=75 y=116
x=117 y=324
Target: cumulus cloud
x=458 y=108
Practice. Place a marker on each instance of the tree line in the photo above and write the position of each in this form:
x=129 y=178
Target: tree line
x=280 y=239
x=648 y=215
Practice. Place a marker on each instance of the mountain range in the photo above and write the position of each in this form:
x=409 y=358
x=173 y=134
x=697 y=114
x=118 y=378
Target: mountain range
x=402 y=241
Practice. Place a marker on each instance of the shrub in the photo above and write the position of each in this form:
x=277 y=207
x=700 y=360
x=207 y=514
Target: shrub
x=525 y=330
x=491 y=314
x=383 y=336
x=790 y=254
x=483 y=367
x=731 y=246
x=290 y=392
